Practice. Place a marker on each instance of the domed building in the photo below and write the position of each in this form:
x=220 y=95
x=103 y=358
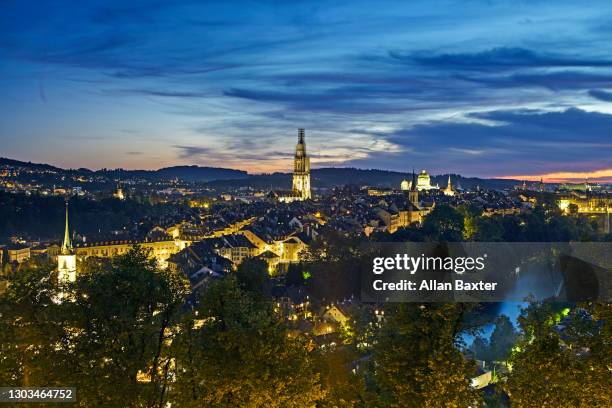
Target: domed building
x=424 y=182
x=405 y=185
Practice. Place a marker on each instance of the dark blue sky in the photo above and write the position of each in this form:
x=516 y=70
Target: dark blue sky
x=486 y=88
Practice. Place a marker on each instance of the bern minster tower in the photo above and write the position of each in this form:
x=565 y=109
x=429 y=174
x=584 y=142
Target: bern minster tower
x=301 y=169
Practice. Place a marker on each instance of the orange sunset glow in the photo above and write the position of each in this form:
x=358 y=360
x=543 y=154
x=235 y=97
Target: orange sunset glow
x=603 y=175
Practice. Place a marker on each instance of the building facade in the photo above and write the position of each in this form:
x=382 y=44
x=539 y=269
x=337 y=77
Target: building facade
x=18 y=253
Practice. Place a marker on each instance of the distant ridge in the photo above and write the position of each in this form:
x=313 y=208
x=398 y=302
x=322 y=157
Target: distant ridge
x=322 y=177
x=186 y=173
x=191 y=173
x=341 y=176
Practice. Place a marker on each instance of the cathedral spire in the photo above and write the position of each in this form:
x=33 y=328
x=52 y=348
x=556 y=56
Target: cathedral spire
x=66 y=244
x=301 y=168
x=449 y=188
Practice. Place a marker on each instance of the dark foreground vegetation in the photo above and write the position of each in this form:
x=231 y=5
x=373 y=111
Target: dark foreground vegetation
x=128 y=335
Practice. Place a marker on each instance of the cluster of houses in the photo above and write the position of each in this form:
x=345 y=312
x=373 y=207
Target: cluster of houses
x=277 y=237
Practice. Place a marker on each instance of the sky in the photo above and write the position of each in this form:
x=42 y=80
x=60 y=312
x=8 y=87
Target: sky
x=479 y=88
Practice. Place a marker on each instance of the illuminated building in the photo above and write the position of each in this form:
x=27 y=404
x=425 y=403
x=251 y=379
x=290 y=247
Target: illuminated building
x=161 y=249
x=17 y=253
x=118 y=194
x=449 y=188
x=596 y=206
x=66 y=260
x=413 y=211
x=424 y=182
x=585 y=187
x=379 y=192
x=301 y=175
x=301 y=168
x=405 y=185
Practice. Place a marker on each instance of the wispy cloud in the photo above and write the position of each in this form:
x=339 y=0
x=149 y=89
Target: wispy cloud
x=190 y=152
x=499 y=58
x=601 y=95
x=485 y=88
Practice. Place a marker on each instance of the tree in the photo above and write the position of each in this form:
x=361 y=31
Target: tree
x=480 y=349
x=573 y=209
x=444 y=223
x=30 y=325
x=470 y=212
x=416 y=362
x=334 y=262
x=234 y=350
x=502 y=339
x=487 y=229
x=499 y=345
x=564 y=365
x=344 y=388
x=253 y=276
x=295 y=275
x=115 y=347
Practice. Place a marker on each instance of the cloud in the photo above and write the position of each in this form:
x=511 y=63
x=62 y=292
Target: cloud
x=362 y=98
x=502 y=140
x=168 y=94
x=238 y=79
x=564 y=80
x=188 y=152
x=601 y=95
x=499 y=58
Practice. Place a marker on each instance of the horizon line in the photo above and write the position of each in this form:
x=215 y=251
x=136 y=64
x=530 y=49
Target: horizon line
x=601 y=175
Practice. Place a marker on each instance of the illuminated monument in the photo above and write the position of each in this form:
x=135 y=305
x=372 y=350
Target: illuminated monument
x=424 y=182
x=301 y=168
x=449 y=191
x=66 y=260
x=301 y=175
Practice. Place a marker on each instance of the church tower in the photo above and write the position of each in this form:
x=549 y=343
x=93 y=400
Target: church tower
x=301 y=169
x=449 y=188
x=66 y=260
x=413 y=193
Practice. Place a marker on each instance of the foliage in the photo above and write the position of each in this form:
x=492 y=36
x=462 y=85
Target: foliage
x=500 y=344
x=416 y=361
x=444 y=223
x=29 y=322
x=335 y=262
x=253 y=276
x=562 y=365
x=235 y=351
x=344 y=388
x=295 y=275
x=37 y=215
x=112 y=324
